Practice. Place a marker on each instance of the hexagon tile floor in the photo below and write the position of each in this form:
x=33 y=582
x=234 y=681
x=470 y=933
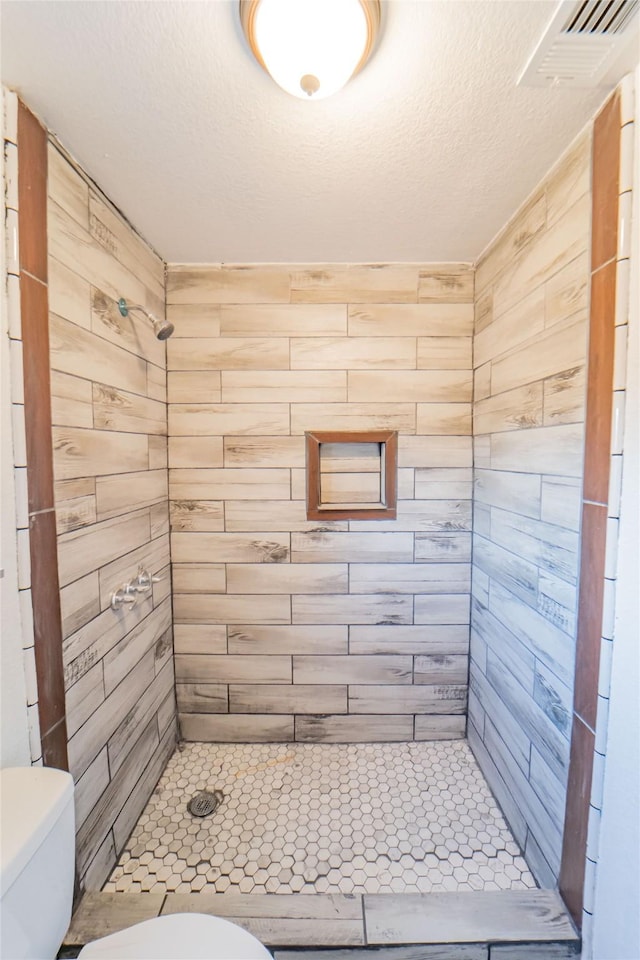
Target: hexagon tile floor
x=323 y=818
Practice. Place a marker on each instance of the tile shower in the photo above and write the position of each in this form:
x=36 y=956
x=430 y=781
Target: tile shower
x=301 y=649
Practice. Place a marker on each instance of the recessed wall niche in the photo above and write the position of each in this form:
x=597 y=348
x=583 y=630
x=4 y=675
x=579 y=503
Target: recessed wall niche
x=352 y=476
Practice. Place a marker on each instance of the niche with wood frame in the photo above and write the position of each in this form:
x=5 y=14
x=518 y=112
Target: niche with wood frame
x=352 y=476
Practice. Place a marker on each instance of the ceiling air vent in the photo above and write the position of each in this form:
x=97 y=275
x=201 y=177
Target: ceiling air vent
x=582 y=43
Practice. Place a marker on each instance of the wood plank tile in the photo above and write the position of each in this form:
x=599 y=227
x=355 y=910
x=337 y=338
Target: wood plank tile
x=197 y=515
x=350 y=547
x=205 y=484
x=71 y=401
x=560 y=502
x=528 y=223
x=262 y=452
x=414 y=320
x=425 y=515
x=230 y=548
x=518 y=492
x=277 y=515
x=69 y=294
x=67 y=187
x=197 y=320
x=354 y=353
x=88 y=548
x=121 y=660
x=74 y=351
x=354 y=729
x=353 y=416
x=193 y=386
x=434 y=727
x=198 y=668
x=453 y=951
x=117 y=236
x=236 y=728
x=355 y=283
x=364 y=608
x=570 y=179
x=444 y=353
x=129 y=491
x=550 y=450
x=199 y=577
x=283 y=320
x=195 y=452
x=122 y=411
x=229 y=419
x=295 y=578
x=450 y=419
x=434 y=451
x=409 y=578
x=101 y=914
x=227 y=283
x=248 y=353
x=564 y=397
x=445 y=609
x=79 y=602
x=448 y=639
x=296 y=698
x=131 y=332
x=202 y=697
x=400 y=700
x=442 y=483
x=84 y=453
x=257 y=639
x=350 y=669
x=559 y=348
x=567 y=292
x=288 y=386
x=516 y=409
x=202 y=608
x=200 y=638
x=436 y=668
x=450 y=283
x=507 y=915
x=410 y=386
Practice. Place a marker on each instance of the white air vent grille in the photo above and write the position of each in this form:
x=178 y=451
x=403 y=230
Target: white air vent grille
x=582 y=43
x=601 y=16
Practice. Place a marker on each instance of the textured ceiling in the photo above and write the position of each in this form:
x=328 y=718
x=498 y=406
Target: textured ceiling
x=423 y=156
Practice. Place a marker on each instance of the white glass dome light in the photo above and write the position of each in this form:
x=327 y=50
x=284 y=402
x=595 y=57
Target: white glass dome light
x=311 y=48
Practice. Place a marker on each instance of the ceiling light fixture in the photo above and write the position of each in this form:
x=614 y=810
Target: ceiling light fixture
x=311 y=48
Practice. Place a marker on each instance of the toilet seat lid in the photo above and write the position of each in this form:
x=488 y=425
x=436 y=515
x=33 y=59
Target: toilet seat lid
x=178 y=936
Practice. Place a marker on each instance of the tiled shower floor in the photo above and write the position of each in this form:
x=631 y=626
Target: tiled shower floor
x=323 y=818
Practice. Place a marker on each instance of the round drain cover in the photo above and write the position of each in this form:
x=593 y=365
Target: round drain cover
x=205 y=803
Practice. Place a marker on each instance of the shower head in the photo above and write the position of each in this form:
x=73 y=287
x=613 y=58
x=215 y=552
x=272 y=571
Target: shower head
x=162 y=328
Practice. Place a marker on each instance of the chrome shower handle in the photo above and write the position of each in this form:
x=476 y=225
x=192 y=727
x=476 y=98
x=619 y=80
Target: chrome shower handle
x=123 y=596
x=144 y=581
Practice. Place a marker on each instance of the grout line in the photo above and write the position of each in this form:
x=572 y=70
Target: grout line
x=364 y=922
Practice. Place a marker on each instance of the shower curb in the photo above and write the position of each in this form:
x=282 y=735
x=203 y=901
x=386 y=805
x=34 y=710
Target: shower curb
x=490 y=925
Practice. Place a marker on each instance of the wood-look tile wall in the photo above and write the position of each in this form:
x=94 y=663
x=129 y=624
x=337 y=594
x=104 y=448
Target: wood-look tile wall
x=293 y=629
x=532 y=291
x=108 y=386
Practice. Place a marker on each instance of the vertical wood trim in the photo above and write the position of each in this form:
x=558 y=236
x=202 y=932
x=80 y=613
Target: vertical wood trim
x=604 y=244
x=45 y=591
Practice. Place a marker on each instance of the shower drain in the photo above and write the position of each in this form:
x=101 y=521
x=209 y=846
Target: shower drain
x=205 y=803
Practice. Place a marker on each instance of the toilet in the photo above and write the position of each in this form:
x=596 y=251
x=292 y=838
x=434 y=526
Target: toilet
x=37 y=853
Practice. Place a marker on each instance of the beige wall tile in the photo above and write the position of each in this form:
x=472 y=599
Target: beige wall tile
x=263 y=452
x=195 y=668
x=559 y=348
x=255 y=639
x=228 y=419
x=446 y=283
x=353 y=416
x=446 y=419
x=414 y=320
x=444 y=609
x=441 y=639
x=325 y=547
x=194 y=319
x=565 y=397
x=82 y=453
x=195 y=452
x=365 y=608
x=132 y=332
x=361 y=669
x=130 y=491
x=409 y=578
x=222 y=484
x=71 y=401
x=444 y=353
x=75 y=351
x=118 y=410
x=198 y=515
x=193 y=386
x=158 y=448
x=202 y=697
x=410 y=386
x=516 y=409
x=283 y=320
x=297 y=698
x=201 y=608
x=444 y=547
x=288 y=386
x=249 y=548
x=79 y=602
x=228 y=354
x=529 y=222
x=199 y=577
x=440 y=483
x=364 y=729
x=354 y=353
x=399 y=700
x=267 y=515
x=69 y=294
x=273 y=578
x=555 y=449
x=355 y=283
x=439 y=516
x=67 y=187
x=227 y=283
x=234 y=728
x=203 y=638
x=433 y=727
x=434 y=451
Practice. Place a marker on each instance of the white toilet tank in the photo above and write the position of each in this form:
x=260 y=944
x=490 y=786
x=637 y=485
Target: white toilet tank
x=37 y=851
